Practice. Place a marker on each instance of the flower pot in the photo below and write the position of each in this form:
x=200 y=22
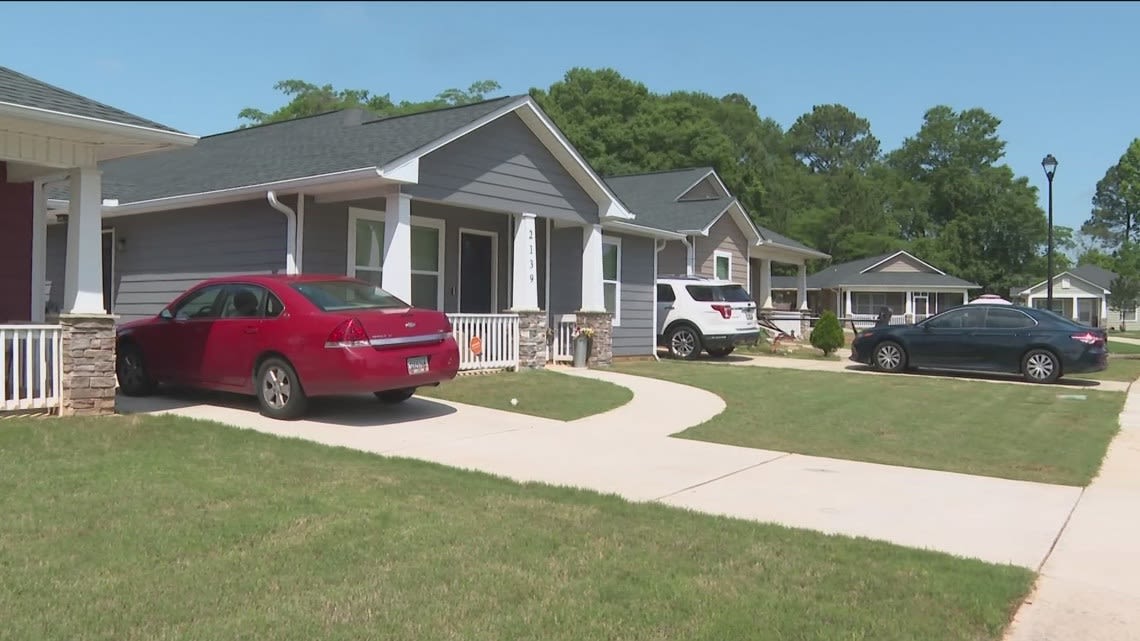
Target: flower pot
x=581 y=351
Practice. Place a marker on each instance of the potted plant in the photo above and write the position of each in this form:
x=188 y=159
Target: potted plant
x=583 y=343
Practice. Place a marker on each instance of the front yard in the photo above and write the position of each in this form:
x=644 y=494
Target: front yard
x=536 y=392
x=160 y=527
x=990 y=429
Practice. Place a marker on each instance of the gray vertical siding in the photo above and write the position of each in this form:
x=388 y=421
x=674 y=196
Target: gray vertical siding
x=503 y=166
x=565 y=270
x=635 y=336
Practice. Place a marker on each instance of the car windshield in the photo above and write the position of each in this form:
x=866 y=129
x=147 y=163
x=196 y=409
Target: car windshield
x=718 y=293
x=340 y=295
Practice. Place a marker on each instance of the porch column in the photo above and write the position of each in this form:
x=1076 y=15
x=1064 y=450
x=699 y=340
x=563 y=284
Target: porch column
x=965 y=296
x=524 y=272
x=39 y=252
x=1076 y=312
x=593 y=294
x=765 y=283
x=909 y=304
x=847 y=302
x=397 y=277
x=801 y=293
x=83 y=282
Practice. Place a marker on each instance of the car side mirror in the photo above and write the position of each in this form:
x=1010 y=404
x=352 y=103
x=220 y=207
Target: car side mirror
x=165 y=315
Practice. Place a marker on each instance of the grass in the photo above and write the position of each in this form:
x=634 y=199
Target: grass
x=991 y=429
x=1128 y=334
x=132 y=528
x=1117 y=347
x=1120 y=368
x=803 y=353
x=539 y=393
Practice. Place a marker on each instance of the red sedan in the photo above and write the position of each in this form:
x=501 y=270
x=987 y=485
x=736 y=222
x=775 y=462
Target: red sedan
x=287 y=338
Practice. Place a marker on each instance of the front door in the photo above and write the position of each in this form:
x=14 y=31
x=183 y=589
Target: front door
x=476 y=273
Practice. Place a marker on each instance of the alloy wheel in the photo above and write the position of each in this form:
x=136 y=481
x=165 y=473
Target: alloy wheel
x=889 y=357
x=1039 y=366
x=277 y=388
x=683 y=343
x=132 y=370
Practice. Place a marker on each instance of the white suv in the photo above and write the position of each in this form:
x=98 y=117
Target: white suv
x=695 y=313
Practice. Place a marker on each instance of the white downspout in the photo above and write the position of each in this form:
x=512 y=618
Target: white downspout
x=690 y=256
x=300 y=258
x=290 y=232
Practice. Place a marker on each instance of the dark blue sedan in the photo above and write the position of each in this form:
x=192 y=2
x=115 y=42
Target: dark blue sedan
x=1036 y=343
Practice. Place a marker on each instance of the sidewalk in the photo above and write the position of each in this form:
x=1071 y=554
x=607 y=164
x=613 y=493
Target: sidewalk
x=1089 y=587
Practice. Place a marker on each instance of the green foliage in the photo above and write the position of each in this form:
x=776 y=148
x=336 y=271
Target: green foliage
x=831 y=138
x=307 y=99
x=1125 y=292
x=1116 y=203
x=827 y=335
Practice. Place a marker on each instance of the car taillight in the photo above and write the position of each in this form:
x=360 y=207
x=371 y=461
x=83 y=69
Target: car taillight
x=1088 y=338
x=350 y=333
x=725 y=310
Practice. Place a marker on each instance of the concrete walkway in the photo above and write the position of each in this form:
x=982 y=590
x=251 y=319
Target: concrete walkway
x=1089 y=587
x=847 y=366
x=628 y=452
x=1121 y=339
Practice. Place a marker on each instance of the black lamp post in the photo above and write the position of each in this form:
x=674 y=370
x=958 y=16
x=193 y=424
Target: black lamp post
x=1049 y=163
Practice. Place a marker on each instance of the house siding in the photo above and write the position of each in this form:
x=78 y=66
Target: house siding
x=503 y=166
x=16 y=204
x=903 y=264
x=167 y=253
x=704 y=190
x=672 y=259
x=636 y=335
x=724 y=236
x=565 y=270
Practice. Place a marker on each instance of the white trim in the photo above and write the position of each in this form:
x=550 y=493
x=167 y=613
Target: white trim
x=546 y=298
x=616 y=282
x=1027 y=291
x=747 y=267
x=359 y=213
x=902 y=288
x=114 y=250
x=494 y=235
x=299 y=244
x=900 y=253
x=39 y=252
x=88 y=123
x=717 y=254
x=712 y=172
x=641 y=230
x=653 y=331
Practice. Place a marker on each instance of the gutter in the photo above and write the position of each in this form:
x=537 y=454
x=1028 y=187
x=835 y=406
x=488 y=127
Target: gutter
x=621 y=225
x=136 y=132
x=690 y=256
x=290 y=232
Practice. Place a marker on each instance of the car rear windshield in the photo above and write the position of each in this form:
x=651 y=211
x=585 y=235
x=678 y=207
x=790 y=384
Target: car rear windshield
x=341 y=295
x=718 y=293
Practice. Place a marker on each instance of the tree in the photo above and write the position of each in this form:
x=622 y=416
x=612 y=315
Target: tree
x=832 y=137
x=1116 y=203
x=827 y=335
x=307 y=99
x=1125 y=291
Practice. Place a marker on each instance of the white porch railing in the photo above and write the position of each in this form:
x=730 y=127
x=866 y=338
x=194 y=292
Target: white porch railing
x=863 y=321
x=497 y=346
x=563 y=348
x=29 y=367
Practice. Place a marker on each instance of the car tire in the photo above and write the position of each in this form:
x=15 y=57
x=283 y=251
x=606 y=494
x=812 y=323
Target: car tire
x=394 y=396
x=889 y=356
x=1040 y=366
x=131 y=371
x=279 y=391
x=722 y=352
x=684 y=342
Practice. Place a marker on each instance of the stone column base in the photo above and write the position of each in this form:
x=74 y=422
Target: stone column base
x=88 y=361
x=532 y=339
x=805 y=324
x=602 y=344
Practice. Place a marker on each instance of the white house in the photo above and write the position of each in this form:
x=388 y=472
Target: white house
x=1080 y=293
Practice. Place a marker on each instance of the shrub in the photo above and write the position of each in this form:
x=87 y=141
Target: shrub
x=827 y=335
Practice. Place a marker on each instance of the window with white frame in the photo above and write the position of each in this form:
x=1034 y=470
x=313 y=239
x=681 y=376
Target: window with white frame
x=722 y=265
x=366 y=254
x=868 y=302
x=611 y=276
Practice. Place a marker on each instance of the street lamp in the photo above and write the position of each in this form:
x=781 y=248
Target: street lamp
x=1049 y=164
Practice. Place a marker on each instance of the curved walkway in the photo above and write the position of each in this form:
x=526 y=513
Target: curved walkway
x=628 y=451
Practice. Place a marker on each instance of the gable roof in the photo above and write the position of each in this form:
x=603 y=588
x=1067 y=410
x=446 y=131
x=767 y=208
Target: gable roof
x=856 y=273
x=19 y=90
x=653 y=198
x=1091 y=274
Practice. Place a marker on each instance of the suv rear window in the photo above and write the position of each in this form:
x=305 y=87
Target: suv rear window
x=718 y=293
x=340 y=295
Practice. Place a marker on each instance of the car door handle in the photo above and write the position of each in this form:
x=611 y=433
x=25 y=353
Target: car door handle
x=251 y=330
x=668 y=307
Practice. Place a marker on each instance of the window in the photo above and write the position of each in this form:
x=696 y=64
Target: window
x=868 y=302
x=722 y=265
x=718 y=293
x=962 y=318
x=201 y=304
x=665 y=294
x=1008 y=319
x=366 y=247
x=611 y=276
x=244 y=301
x=273 y=307
x=341 y=295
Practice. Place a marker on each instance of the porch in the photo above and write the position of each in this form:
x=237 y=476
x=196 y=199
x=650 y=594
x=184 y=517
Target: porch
x=861 y=307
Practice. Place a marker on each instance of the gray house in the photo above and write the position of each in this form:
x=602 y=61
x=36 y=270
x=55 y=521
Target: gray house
x=483 y=211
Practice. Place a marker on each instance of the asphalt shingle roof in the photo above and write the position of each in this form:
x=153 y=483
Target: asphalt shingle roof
x=333 y=142
x=1096 y=275
x=19 y=89
x=652 y=197
x=849 y=273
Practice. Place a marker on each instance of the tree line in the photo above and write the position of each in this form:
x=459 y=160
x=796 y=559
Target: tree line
x=944 y=193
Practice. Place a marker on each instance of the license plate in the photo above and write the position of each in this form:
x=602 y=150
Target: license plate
x=748 y=313
x=417 y=365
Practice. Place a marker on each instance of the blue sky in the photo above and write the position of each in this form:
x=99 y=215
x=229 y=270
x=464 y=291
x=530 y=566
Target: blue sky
x=1062 y=77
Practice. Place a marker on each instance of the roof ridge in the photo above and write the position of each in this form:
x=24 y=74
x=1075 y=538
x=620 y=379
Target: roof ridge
x=447 y=108
x=659 y=171
x=283 y=122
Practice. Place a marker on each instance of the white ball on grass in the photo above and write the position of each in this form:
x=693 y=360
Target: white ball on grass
x=514 y=401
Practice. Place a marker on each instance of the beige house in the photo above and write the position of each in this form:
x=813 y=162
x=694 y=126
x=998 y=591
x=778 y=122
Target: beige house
x=1080 y=293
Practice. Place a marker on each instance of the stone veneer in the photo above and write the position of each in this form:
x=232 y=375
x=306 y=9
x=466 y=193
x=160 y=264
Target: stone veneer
x=88 y=359
x=602 y=345
x=805 y=325
x=533 y=341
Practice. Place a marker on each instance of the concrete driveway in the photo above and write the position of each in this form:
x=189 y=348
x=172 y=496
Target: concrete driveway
x=628 y=452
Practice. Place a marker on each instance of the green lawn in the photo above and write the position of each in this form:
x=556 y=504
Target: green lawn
x=1117 y=347
x=1128 y=334
x=1120 y=368
x=992 y=429
x=539 y=393
x=140 y=528
x=804 y=353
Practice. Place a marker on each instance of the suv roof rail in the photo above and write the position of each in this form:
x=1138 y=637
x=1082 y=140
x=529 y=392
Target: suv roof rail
x=683 y=277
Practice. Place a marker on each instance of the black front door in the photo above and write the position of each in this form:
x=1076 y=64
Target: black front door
x=476 y=274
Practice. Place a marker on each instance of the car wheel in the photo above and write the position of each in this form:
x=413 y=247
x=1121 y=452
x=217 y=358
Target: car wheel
x=394 y=396
x=722 y=352
x=130 y=369
x=1040 y=366
x=684 y=343
x=890 y=357
x=279 y=390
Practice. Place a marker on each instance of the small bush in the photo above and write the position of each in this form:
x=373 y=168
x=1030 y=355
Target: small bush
x=827 y=335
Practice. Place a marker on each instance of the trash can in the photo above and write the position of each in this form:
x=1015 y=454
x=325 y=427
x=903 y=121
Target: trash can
x=581 y=351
